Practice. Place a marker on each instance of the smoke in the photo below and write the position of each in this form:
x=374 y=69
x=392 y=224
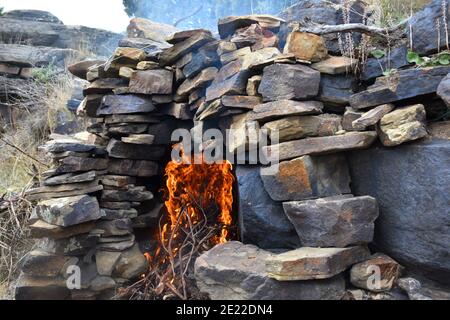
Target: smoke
x=191 y=14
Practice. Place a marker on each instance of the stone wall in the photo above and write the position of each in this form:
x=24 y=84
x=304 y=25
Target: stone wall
x=305 y=228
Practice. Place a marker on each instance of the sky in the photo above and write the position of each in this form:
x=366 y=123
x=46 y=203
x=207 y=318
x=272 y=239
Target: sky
x=103 y=14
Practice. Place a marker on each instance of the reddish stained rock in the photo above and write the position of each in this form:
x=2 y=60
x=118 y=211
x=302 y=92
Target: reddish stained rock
x=306 y=46
x=362 y=273
x=308 y=177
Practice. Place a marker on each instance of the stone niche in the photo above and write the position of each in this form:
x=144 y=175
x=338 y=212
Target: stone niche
x=344 y=176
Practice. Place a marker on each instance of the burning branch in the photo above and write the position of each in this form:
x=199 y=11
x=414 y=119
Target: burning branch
x=199 y=203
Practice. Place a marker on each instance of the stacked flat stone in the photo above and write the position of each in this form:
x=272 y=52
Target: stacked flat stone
x=307 y=204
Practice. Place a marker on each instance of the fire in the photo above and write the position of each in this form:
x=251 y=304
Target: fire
x=202 y=190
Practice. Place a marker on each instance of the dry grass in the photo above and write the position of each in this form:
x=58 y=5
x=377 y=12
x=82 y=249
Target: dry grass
x=22 y=164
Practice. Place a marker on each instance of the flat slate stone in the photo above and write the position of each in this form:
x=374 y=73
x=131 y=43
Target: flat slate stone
x=372 y=116
x=65 y=212
x=204 y=58
x=234 y=271
x=39 y=263
x=320 y=145
x=131 y=118
x=402 y=85
x=139 y=139
x=124 y=104
x=298 y=127
x=335 y=65
x=403 y=125
x=120 y=150
x=157 y=81
x=38 y=288
x=134 y=168
x=334 y=222
x=42 y=229
x=308 y=177
x=186 y=34
x=121 y=129
x=69 y=178
x=244 y=102
x=201 y=80
x=283 y=108
x=132 y=194
x=105 y=86
x=170 y=55
x=76 y=164
x=228 y=25
x=313 y=263
x=285 y=82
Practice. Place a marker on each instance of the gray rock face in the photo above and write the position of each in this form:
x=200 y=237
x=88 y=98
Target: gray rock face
x=285 y=82
x=237 y=271
x=334 y=222
x=28 y=56
x=410 y=183
x=424 y=29
x=309 y=177
x=403 y=85
x=43 y=29
x=260 y=215
x=32 y=15
x=375 y=67
x=335 y=90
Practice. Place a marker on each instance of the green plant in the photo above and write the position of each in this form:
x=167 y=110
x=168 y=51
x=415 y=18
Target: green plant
x=440 y=59
x=378 y=54
x=1 y=11
x=45 y=74
x=389 y=72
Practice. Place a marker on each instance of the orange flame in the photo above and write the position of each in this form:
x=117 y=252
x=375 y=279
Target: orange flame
x=196 y=187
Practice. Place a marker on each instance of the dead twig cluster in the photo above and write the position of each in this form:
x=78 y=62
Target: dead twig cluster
x=15 y=211
x=171 y=268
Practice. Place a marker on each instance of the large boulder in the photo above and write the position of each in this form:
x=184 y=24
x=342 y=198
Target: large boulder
x=261 y=216
x=411 y=184
x=422 y=28
x=234 y=271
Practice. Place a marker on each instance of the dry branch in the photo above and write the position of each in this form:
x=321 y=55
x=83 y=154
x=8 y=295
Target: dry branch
x=319 y=29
